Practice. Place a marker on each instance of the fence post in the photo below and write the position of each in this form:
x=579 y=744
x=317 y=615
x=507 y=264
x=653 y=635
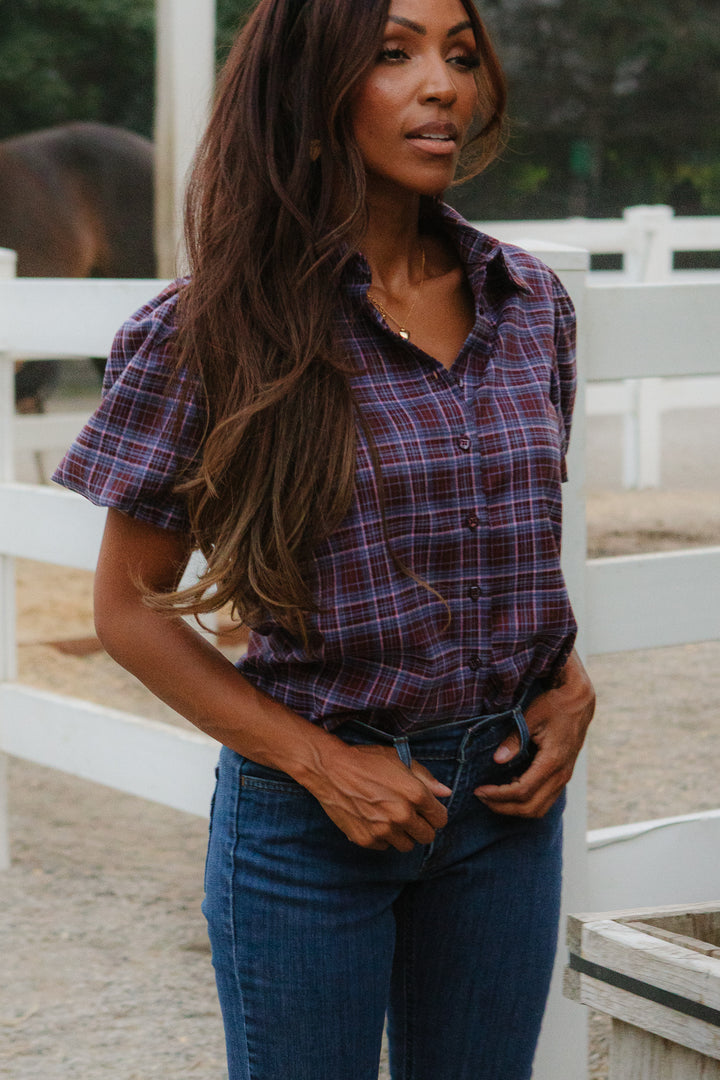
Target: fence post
x=8 y=659
x=563 y=1049
x=649 y=259
x=185 y=74
x=650 y=254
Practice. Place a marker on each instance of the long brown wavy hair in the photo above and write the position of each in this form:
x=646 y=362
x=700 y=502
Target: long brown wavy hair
x=275 y=208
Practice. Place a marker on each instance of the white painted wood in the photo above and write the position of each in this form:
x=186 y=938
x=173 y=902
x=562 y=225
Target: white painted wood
x=4 y=805
x=8 y=647
x=651 y=863
x=562 y=1050
x=185 y=73
x=641 y=331
x=612 y=398
x=168 y=765
x=8 y=263
x=71 y=527
x=48 y=431
x=645 y=236
x=650 y=601
x=85 y=314
x=649 y=255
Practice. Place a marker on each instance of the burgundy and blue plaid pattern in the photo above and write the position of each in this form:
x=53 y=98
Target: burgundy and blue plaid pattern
x=472 y=461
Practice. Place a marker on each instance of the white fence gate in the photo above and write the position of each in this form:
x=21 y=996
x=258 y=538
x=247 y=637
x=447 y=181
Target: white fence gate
x=627 y=330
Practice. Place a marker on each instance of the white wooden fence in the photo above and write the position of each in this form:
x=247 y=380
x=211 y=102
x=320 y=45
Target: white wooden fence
x=646 y=239
x=627 y=330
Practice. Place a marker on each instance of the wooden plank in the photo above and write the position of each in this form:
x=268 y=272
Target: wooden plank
x=641 y=331
x=651 y=1017
x=80 y=317
x=684 y=941
x=640 y=1055
x=599 y=236
x=702 y=927
x=649 y=601
x=661 y=964
x=184 y=78
x=50 y=525
x=169 y=765
x=50 y=431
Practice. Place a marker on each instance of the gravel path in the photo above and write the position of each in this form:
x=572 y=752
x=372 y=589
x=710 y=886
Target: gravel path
x=105 y=961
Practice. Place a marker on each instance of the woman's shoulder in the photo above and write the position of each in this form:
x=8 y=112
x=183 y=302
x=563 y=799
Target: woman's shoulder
x=148 y=330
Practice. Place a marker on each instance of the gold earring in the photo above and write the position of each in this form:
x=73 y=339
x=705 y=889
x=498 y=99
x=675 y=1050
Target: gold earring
x=315 y=149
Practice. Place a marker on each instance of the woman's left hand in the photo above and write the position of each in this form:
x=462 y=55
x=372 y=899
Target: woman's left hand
x=557 y=721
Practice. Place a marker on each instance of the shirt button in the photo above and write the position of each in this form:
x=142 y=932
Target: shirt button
x=460 y=382
x=474 y=592
x=464 y=442
x=475 y=663
x=472 y=521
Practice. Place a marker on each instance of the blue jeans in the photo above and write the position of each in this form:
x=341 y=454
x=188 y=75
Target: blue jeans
x=315 y=939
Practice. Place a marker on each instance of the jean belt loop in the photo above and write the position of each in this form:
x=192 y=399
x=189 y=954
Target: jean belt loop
x=463 y=747
x=518 y=715
x=402 y=745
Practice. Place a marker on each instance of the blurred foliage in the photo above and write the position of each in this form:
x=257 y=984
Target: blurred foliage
x=64 y=60
x=619 y=100
x=611 y=103
x=75 y=60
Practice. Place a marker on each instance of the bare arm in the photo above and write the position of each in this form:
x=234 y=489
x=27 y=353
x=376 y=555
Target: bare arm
x=366 y=791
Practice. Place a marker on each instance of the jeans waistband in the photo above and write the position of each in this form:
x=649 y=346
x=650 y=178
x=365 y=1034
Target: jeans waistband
x=449 y=728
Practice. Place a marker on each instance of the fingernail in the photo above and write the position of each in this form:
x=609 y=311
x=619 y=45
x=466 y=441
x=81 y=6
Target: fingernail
x=503 y=754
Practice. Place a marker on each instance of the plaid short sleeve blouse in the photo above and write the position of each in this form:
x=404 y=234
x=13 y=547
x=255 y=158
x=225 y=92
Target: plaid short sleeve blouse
x=472 y=461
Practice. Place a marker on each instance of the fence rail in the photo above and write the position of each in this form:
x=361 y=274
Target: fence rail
x=655 y=330
x=647 y=239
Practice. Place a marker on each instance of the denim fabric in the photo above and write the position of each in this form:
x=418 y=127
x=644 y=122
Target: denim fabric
x=315 y=939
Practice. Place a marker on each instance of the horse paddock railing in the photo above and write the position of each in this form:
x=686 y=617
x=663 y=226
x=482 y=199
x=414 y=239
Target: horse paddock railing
x=646 y=244
x=627 y=330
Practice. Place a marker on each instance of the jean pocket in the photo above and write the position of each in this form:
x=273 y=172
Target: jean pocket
x=254 y=775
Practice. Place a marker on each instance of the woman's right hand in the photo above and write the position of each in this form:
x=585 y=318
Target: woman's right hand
x=376 y=800
x=366 y=790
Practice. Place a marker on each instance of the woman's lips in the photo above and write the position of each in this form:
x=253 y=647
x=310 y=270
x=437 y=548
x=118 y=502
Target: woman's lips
x=435 y=138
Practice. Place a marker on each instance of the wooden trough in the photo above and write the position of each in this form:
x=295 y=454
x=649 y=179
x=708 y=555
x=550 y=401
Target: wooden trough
x=656 y=972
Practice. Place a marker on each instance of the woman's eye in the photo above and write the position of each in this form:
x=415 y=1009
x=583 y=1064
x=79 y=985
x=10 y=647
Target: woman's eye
x=393 y=55
x=466 y=61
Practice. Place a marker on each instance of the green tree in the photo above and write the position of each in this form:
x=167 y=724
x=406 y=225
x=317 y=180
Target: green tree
x=64 y=60
x=612 y=104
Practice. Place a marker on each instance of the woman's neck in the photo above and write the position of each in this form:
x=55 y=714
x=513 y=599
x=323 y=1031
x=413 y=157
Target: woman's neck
x=391 y=243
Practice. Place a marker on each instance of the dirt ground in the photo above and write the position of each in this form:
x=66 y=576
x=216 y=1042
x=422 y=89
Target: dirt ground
x=106 y=969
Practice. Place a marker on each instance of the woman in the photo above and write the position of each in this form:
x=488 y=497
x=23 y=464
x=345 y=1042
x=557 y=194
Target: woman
x=358 y=408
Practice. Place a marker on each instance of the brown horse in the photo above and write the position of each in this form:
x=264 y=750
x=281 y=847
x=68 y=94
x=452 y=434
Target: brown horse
x=76 y=201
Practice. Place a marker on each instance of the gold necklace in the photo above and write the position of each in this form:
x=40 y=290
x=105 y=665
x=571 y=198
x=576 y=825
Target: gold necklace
x=402 y=327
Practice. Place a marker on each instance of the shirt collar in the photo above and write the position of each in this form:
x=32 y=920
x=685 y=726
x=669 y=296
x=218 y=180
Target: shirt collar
x=486 y=260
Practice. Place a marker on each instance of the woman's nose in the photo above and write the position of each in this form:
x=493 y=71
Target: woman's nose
x=438 y=83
